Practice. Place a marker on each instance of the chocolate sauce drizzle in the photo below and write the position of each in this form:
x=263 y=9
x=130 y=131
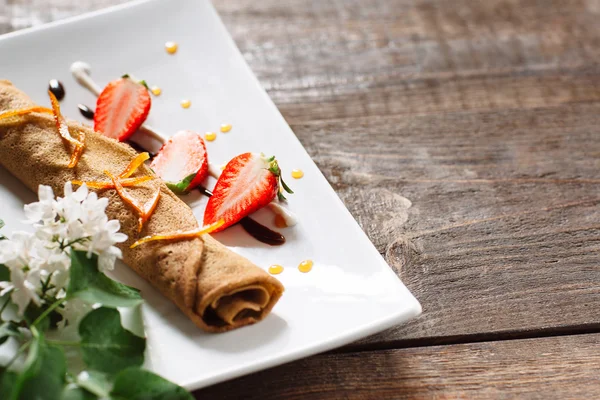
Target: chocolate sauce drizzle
x=86 y=111
x=57 y=89
x=257 y=230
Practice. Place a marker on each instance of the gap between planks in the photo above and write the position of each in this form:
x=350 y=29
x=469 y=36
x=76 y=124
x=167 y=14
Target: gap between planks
x=359 y=347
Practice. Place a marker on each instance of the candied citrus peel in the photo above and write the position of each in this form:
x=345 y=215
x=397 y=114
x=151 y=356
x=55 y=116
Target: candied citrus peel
x=61 y=122
x=134 y=165
x=61 y=125
x=78 y=151
x=123 y=177
x=149 y=208
x=144 y=211
x=127 y=182
x=24 y=111
x=180 y=235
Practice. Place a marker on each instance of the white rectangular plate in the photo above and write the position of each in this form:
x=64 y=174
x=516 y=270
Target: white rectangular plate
x=350 y=293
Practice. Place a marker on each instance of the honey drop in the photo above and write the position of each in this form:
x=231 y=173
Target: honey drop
x=305 y=266
x=275 y=269
x=297 y=173
x=171 y=47
x=186 y=103
x=280 y=221
x=156 y=90
x=210 y=136
x=225 y=128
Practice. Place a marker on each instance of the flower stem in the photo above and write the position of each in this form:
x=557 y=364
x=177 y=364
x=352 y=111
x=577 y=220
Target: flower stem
x=48 y=311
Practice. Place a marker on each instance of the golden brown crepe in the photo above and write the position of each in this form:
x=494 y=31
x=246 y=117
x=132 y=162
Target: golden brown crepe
x=216 y=288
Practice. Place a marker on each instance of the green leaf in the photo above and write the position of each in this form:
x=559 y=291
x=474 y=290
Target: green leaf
x=33 y=312
x=7 y=383
x=285 y=186
x=1 y=224
x=43 y=376
x=181 y=187
x=8 y=329
x=92 y=286
x=72 y=392
x=139 y=384
x=280 y=196
x=4 y=273
x=94 y=382
x=106 y=346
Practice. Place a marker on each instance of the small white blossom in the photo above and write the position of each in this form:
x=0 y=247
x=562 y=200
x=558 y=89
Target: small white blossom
x=43 y=210
x=23 y=288
x=76 y=221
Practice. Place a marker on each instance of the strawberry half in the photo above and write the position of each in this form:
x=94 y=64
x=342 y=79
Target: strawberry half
x=249 y=182
x=182 y=162
x=121 y=108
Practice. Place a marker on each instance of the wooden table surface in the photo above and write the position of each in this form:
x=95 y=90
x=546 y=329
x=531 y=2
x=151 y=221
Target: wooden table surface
x=464 y=136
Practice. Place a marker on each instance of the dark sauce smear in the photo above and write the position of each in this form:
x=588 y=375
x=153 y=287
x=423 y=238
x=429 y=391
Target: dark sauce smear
x=86 y=111
x=257 y=230
x=57 y=89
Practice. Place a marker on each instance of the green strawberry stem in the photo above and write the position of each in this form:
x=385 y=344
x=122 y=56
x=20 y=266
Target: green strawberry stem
x=141 y=82
x=274 y=168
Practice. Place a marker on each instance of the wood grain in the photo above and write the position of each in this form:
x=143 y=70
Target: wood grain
x=463 y=138
x=550 y=368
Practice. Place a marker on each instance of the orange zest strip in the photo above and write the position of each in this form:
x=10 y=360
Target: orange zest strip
x=127 y=182
x=149 y=208
x=124 y=195
x=78 y=151
x=180 y=235
x=24 y=111
x=144 y=212
x=134 y=165
x=61 y=122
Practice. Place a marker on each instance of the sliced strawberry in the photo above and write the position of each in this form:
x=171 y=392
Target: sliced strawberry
x=182 y=162
x=121 y=108
x=249 y=182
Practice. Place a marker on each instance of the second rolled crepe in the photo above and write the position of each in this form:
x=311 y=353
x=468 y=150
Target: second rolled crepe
x=216 y=288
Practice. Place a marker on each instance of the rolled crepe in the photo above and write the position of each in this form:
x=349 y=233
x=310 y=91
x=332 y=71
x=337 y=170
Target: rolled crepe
x=216 y=288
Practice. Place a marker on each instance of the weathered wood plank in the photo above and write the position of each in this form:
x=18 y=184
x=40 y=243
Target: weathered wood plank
x=333 y=59
x=550 y=368
x=503 y=230
x=481 y=115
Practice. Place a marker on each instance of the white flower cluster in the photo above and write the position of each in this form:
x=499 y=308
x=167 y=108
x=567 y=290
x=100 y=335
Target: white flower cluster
x=40 y=260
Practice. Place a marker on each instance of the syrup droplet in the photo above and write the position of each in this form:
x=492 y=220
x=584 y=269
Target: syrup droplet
x=156 y=90
x=305 y=266
x=210 y=136
x=186 y=103
x=280 y=221
x=171 y=47
x=297 y=173
x=57 y=89
x=275 y=269
x=225 y=128
x=86 y=111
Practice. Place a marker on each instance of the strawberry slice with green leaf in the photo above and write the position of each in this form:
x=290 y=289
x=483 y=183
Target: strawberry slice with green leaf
x=249 y=182
x=182 y=162
x=122 y=108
